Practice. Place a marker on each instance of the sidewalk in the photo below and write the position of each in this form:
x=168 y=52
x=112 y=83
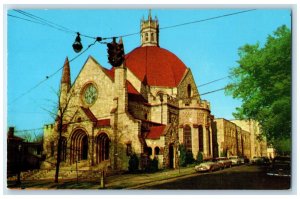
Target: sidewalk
x=135 y=181
x=123 y=181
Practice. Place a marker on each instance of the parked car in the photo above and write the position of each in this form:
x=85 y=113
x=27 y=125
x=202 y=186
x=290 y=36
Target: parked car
x=281 y=166
x=220 y=163
x=224 y=161
x=235 y=160
x=207 y=166
x=260 y=161
x=242 y=160
x=246 y=160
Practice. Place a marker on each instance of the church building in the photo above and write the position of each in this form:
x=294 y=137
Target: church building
x=148 y=106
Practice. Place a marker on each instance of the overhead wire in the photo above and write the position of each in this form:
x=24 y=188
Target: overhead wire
x=207 y=19
x=45 y=22
x=220 y=89
x=125 y=35
x=213 y=81
x=10 y=15
x=41 y=21
x=51 y=75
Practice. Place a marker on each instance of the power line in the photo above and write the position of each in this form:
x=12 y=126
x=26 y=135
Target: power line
x=207 y=19
x=213 y=81
x=192 y=22
x=214 y=91
x=45 y=22
x=10 y=15
x=48 y=77
x=42 y=21
x=62 y=28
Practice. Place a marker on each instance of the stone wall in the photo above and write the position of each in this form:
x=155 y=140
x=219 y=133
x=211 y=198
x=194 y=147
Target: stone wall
x=258 y=147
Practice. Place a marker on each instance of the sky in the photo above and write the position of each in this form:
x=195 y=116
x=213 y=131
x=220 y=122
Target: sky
x=209 y=49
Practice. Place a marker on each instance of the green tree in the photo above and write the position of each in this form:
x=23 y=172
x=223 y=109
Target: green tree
x=186 y=157
x=182 y=157
x=199 y=157
x=262 y=80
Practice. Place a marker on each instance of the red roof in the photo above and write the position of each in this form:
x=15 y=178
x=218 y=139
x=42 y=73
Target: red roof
x=156 y=66
x=110 y=72
x=92 y=117
x=155 y=132
x=103 y=122
x=131 y=89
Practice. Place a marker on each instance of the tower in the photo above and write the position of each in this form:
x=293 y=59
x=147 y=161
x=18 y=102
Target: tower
x=149 y=31
x=65 y=83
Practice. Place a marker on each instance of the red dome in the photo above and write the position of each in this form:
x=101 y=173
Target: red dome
x=156 y=66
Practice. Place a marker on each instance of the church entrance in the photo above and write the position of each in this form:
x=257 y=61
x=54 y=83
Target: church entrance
x=171 y=156
x=102 y=147
x=79 y=146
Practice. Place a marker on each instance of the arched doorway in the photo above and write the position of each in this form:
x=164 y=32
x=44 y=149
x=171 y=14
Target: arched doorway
x=79 y=146
x=171 y=156
x=102 y=147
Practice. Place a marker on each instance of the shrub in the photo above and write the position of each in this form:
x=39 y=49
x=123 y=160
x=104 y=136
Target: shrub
x=186 y=157
x=133 y=163
x=199 y=157
x=189 y=158
x=182 y=156
x=223 y=154
x=152 y=166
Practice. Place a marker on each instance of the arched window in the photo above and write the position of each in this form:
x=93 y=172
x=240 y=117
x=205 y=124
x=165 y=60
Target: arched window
x=200 y=138
x=156 y=150
x=63 y=156
x=152 y=36
x=189 y=90
x=209 y=144
x=102 y=147
x=146 y=36
x=187 y=138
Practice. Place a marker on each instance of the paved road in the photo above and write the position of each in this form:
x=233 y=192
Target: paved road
x=247 y=177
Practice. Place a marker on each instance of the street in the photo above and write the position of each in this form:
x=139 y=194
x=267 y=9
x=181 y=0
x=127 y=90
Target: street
x=247 y=177
x=244 y=177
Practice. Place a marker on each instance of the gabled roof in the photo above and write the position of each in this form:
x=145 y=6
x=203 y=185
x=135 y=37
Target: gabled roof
x=110 y=72
x=155 y=132
x=131 y=89
x=92 y=117
x=89 y=114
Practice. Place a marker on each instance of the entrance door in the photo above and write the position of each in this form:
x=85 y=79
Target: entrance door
x=84 y=148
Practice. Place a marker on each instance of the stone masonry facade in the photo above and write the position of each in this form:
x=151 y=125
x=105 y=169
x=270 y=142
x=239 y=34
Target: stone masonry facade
x=148 y=106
